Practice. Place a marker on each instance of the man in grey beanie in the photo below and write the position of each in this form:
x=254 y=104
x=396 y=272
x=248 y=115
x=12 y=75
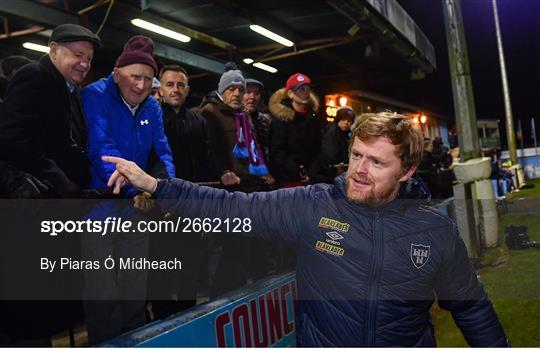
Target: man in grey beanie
x=219 y=110
x=238 y=163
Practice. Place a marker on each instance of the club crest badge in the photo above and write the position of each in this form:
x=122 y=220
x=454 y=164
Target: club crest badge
x=419 y=255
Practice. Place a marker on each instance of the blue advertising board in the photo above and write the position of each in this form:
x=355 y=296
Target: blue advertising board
x=258 y=315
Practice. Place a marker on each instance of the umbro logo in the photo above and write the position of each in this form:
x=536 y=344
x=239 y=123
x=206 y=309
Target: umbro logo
x=334 y=235
x=144 y=122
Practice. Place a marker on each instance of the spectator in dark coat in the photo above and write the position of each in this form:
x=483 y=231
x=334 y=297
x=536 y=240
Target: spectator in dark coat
x=427 y=170
x=335 y=142
x=260 y=120
x=172 y=291
x=186 y=129
x=295 y=137
x=43 y=140
x=42 y=129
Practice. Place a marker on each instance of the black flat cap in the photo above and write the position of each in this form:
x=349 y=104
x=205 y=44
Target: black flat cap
x=72 y=32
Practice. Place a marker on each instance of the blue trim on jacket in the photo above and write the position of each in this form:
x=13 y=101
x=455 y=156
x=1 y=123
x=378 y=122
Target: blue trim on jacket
x=113 y=130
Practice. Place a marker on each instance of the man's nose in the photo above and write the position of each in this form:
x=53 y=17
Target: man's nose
x=140 y=84
x=85 y=64
x=361 y=166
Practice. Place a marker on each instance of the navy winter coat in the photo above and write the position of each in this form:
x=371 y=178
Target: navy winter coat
x=365 y=277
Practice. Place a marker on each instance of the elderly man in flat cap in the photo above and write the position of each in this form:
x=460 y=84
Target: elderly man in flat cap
x=123 y=120
x=42 y=129
x=42 y=140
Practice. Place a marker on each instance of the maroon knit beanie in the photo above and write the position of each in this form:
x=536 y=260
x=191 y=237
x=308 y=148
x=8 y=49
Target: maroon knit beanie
x=138 y=49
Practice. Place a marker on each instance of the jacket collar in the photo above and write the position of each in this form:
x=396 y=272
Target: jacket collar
x=219 y=105
x=59 y=80
x=167 y=109
x=281 y=107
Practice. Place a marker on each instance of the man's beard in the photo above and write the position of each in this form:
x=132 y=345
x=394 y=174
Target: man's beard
x=372 y=196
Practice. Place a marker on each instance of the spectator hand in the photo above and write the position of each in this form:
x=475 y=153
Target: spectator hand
x=268 y=179
x=302 y=174
x=341 y=168
x=127 y=172
x=143 y=202
x=230 y=178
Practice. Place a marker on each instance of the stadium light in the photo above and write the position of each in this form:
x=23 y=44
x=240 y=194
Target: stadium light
x=271 y=35
x=261 y=66
x=160 y=30
x=36 y=47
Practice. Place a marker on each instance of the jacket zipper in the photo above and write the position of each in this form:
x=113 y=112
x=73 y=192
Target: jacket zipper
x=137 y=120
x=374 y=275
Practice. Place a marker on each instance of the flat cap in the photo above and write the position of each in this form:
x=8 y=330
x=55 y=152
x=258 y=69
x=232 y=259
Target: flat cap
x=255 y=82
x=73 y=32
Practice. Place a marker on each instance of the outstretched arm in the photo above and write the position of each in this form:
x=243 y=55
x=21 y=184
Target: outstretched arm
x=273 y=215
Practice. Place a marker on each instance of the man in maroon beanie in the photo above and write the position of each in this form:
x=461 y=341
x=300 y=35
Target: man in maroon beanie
x=122 y=121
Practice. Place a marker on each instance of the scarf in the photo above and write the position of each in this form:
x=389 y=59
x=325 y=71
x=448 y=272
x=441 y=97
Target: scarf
x=246 y=147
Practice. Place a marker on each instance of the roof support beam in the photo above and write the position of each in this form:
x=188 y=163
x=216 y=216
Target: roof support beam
x=31 y=30
x=266 y=21
x=394 y=26
x=125 y=10
x=279 y=46
x=49 y=16
x=307 y=50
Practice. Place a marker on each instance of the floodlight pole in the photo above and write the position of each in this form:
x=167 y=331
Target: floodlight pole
x=469 y=146
x=464 y=110
x=510 y=132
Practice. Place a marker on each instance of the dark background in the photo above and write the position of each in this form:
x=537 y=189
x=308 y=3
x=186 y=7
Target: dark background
x=520 y=28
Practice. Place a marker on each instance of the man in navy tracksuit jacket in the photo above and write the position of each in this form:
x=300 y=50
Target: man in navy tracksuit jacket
x=122 y=121
x=369 y=264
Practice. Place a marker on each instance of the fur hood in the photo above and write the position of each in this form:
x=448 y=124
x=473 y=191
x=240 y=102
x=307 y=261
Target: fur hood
x=281 y=108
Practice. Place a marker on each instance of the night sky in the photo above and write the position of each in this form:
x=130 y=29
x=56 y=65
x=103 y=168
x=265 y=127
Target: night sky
x=520 y=28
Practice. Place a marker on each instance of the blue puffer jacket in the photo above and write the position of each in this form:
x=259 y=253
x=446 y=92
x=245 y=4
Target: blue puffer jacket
x=365 y=277
x=114 y=131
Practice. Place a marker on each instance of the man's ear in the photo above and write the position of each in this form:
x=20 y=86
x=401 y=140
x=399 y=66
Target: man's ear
x=116 y=73
x=408 y=174
x=53 y=47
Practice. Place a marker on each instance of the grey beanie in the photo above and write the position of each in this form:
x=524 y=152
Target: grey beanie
x=231 y=77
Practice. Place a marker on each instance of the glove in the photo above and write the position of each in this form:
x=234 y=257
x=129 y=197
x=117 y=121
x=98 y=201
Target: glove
x=21 y=185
